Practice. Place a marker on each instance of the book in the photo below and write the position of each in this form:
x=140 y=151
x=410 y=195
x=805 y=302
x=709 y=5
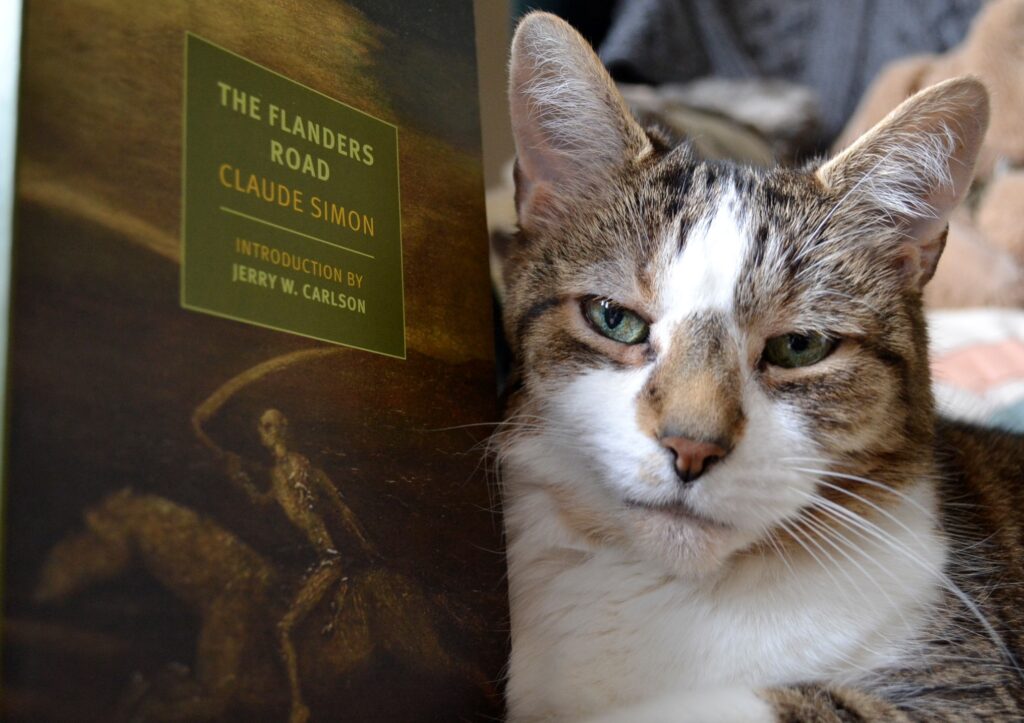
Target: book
x=251 y=367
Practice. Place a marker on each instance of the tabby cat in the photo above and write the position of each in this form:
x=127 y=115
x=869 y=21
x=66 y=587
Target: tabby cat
x=727 y=494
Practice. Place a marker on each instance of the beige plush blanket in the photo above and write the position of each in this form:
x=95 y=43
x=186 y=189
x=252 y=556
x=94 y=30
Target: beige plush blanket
x=983 y=263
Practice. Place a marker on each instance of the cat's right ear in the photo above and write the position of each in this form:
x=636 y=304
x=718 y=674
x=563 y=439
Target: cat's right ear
x=913 y=168
x=572 y=128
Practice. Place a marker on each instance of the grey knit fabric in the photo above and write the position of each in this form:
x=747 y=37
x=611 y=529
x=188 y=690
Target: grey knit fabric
x=835 y=47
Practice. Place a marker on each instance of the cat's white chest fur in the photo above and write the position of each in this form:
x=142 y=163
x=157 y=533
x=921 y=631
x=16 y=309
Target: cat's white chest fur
x=596 y=628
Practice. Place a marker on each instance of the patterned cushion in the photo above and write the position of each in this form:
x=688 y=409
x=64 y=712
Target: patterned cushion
x=978 y=365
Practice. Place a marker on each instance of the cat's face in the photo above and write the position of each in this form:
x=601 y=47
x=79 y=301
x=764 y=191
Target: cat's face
x=699 y=342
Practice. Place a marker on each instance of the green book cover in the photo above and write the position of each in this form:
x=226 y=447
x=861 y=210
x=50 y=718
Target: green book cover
x=251 y=367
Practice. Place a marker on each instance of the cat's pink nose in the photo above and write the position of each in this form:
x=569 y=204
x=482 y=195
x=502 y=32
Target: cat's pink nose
x=693 y=458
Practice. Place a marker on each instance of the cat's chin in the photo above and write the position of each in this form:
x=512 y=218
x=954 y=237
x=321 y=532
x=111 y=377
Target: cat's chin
x=677 y=510
x=688 y=543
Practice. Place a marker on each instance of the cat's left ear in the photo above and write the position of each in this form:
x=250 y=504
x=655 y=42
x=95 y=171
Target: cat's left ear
x=914 y=167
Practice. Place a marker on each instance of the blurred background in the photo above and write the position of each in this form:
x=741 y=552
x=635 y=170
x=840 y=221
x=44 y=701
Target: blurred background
x=766 y=82
x=828 y=51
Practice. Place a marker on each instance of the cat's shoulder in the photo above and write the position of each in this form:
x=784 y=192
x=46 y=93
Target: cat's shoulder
x=982 y=452
x=982 y=472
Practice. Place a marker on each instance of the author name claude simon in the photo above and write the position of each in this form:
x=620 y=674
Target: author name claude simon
x=280 y=194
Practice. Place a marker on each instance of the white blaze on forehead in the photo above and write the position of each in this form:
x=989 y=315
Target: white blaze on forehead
x=703 y=275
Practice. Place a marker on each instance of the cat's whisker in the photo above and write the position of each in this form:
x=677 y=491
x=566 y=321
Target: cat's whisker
x=898 y=546
x=874 y=529
x=772 y=539
x=822 y=505
x=831 y=535
x=841 y=516
x=459 y=426
x=884 y=637
x=871 y=483
x=802 y=538
x=797 y=579
x=881 y=510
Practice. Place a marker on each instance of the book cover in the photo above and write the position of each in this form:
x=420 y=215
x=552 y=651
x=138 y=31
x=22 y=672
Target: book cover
x=250 y=367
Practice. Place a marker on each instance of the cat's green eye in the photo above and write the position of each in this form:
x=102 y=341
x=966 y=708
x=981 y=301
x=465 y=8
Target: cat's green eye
x=790 y=351
x=615 y=322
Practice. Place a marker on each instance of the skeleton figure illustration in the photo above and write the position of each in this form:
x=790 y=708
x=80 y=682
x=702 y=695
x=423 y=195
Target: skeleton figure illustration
x=246 y=624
